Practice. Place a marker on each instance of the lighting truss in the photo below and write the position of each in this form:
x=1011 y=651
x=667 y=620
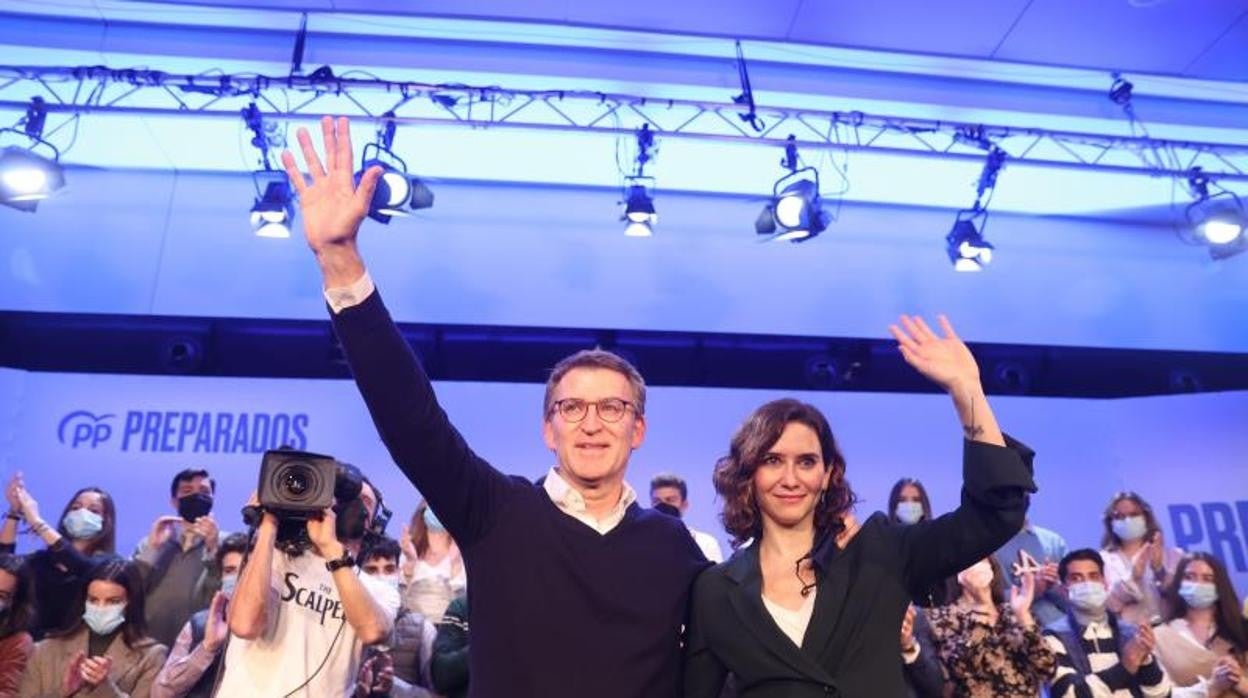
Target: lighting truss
x=74 y=91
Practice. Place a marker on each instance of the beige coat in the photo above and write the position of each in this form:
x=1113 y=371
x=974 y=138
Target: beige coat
x=134 y=669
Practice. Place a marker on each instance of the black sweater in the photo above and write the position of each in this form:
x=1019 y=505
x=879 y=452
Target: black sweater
x=557 y=608
x=58 y=592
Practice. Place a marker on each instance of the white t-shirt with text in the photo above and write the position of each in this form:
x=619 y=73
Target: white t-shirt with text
x=308 y=628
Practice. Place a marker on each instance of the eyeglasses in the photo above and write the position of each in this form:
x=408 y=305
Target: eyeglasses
x=611 y=409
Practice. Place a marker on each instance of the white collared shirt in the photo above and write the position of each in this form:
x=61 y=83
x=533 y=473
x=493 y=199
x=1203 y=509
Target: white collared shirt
x=340 y=298
x=572 y=503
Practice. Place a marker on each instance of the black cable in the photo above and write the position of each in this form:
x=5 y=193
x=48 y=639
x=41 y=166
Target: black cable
x=324 y=659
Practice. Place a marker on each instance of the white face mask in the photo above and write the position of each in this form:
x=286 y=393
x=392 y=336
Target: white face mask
x=909 y=513
x=104 y=618
x=1088 y=597
x=388 y=579
x=1198 y=594
x=1130 y=529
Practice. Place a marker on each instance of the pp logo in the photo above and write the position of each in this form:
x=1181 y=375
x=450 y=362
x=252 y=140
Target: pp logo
x=84 y=428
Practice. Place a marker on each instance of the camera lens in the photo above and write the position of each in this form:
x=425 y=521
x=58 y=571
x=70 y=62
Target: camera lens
x=296 y=480
x=295 y=483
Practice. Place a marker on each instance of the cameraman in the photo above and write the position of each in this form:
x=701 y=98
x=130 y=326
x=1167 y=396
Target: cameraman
x=300 y=620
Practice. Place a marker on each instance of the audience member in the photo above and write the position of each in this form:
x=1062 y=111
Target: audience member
x=1099 y=654
x=908 y=504
x=670 y=489
x=17 y=612
x=406 y=656
x=925 y=678
x=433 y=569
x=1035 y=550
x=988 y=647
x=107 y=653
x=195 y=660
x=85 y=534
x=177 y=557
x=1204 y=646
x=448 y=668
x=1137 y=564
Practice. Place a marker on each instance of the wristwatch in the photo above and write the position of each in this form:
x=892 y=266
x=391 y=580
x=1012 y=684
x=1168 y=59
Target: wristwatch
x=345 y=561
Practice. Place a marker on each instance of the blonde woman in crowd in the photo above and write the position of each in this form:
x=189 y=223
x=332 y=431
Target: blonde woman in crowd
x=1137 y=564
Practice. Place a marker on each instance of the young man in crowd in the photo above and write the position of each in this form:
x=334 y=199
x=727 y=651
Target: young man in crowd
x=670 y=489
x=400 y=668
x=302 y=615
x=1098 y=654
x=195 y=659
x=177 y=556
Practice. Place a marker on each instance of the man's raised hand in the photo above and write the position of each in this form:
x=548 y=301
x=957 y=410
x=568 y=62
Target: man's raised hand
x=333 y=206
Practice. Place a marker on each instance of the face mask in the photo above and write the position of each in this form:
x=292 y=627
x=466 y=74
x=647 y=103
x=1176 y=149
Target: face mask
x=389 y=579
x=432 y=522
x=909 y=513
x=977 y=576
x=82 y=524
x=193 y=506
x=352 y=520
x=228 y=582
x=104 y=618
x=668 y=509
x=1130 y=528
x=1198 y=594
x=1088 y=597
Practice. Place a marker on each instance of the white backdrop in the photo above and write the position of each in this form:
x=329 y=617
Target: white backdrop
x=1186 y=454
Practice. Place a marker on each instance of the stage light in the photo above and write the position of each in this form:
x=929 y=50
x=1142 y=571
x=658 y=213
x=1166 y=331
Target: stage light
x=27 y=176
x=795 y=212
x=396 y=190
x=1216 y=216
x=965 y=243
x=274 y=210
x=967 y=248
x=639 y=214
x=274 y=207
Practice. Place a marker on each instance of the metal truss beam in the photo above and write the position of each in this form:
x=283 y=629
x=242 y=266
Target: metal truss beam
x=71 y=92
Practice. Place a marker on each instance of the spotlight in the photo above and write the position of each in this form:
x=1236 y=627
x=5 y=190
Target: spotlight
x=396 y=190
x=965 y=244
x=639 y=213
x=1217 y=218
x=274 y=209
x=968 y=250
x=26 y=176
x=795 y=212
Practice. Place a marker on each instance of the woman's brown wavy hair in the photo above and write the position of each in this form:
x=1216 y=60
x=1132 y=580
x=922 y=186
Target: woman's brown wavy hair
x=734 y=473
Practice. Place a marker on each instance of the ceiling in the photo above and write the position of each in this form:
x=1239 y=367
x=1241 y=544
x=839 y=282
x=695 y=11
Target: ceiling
x=1205 y=39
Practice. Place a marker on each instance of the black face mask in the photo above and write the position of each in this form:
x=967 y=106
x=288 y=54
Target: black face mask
x=193 y=506
x=668 y=509
x=352 y=520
